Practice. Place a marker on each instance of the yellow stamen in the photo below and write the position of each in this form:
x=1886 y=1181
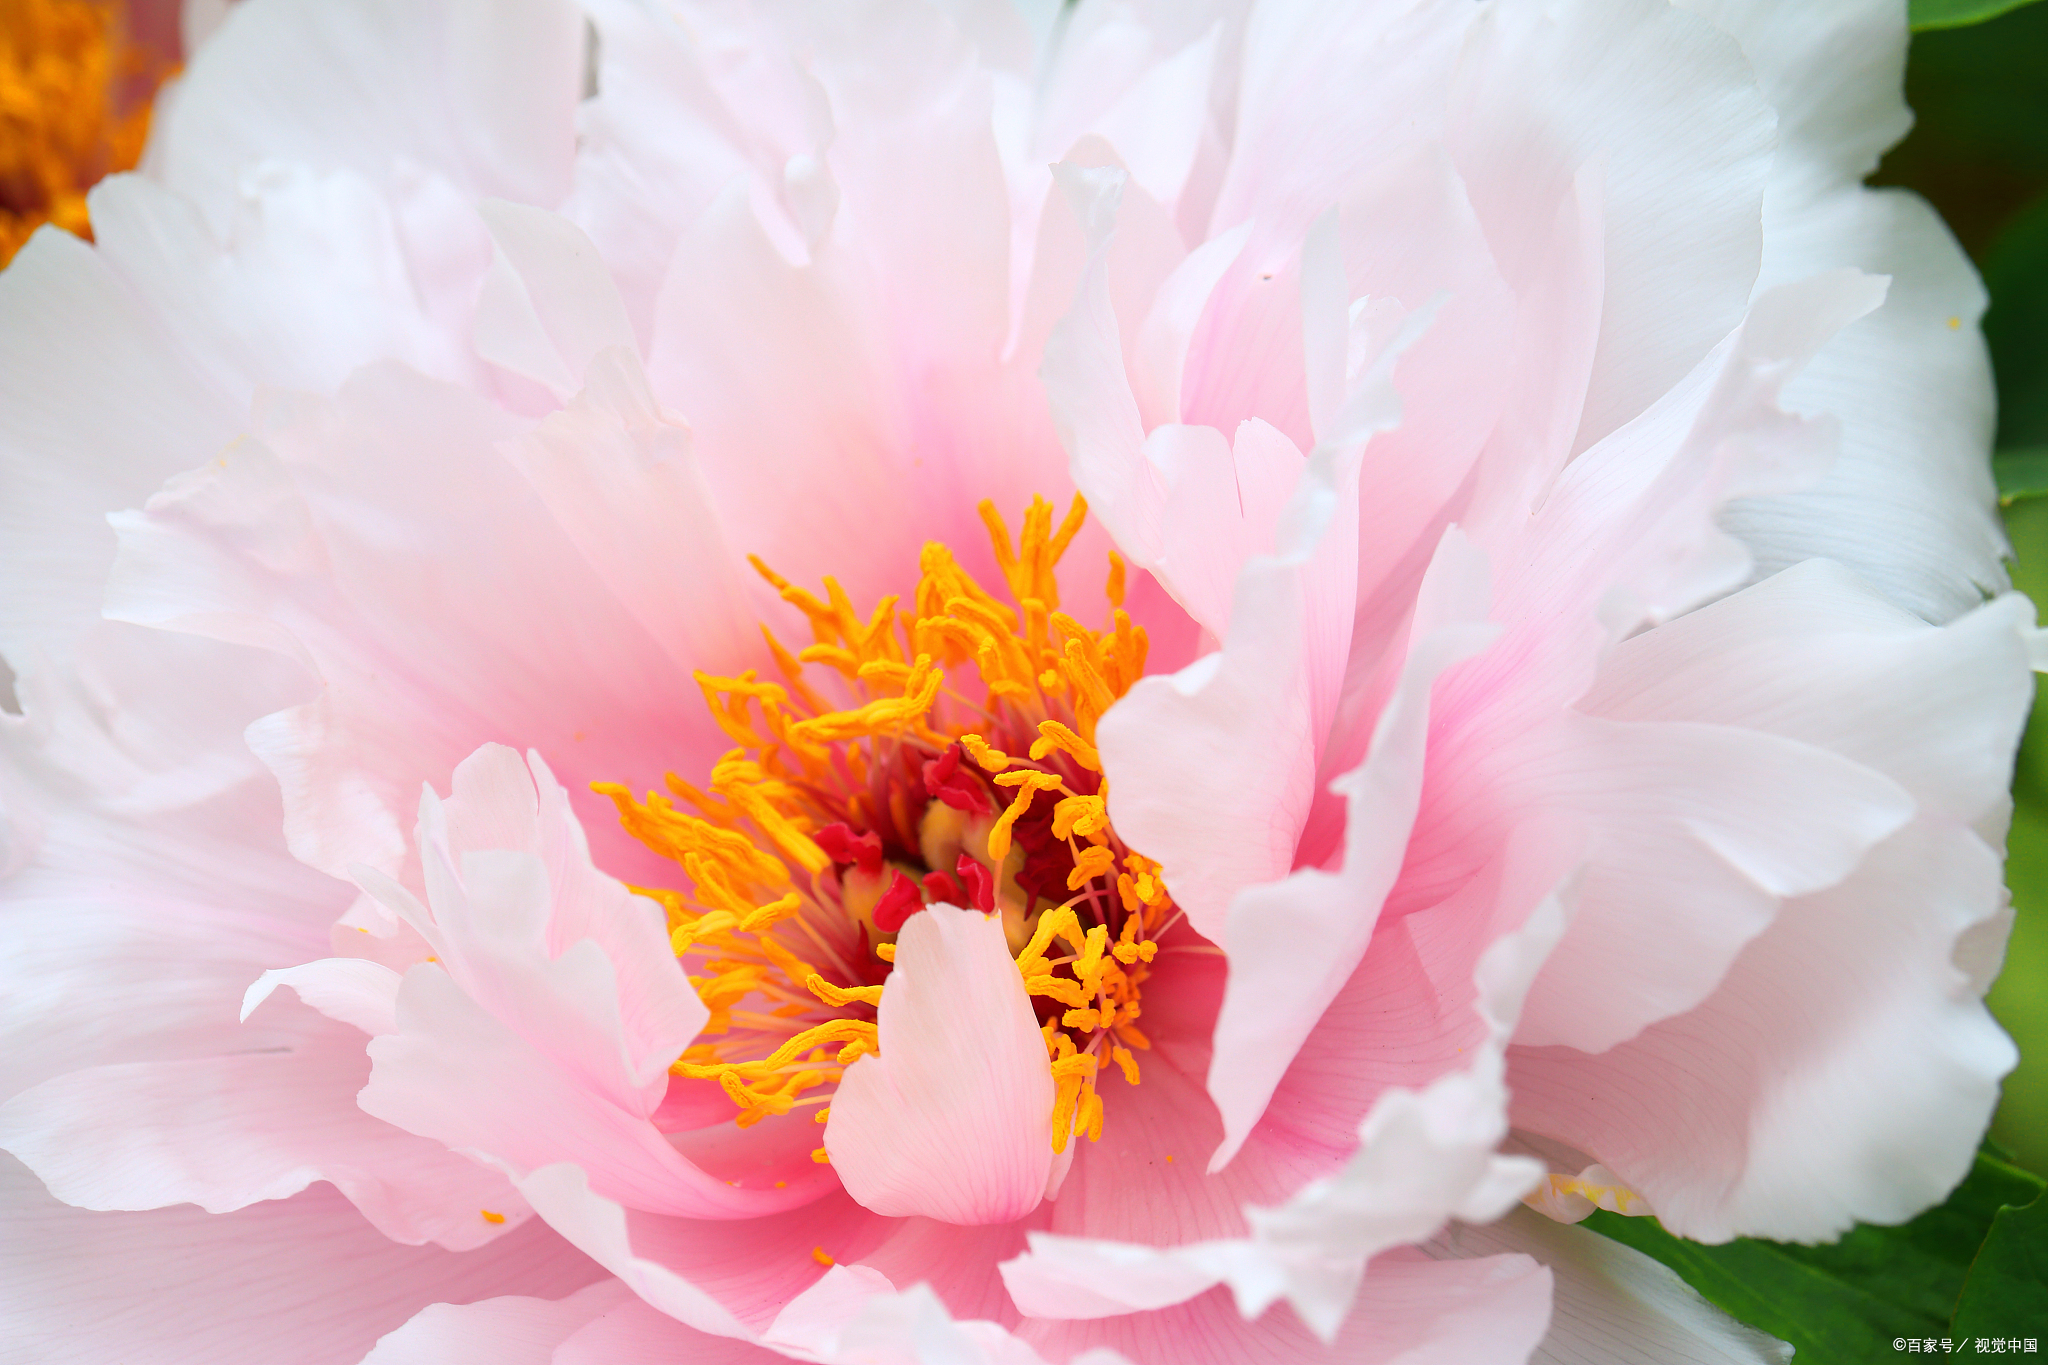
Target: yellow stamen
x=838 y=996
x=771 y=922
x=490 y=1217
x=991 y=760
x=1029 y=785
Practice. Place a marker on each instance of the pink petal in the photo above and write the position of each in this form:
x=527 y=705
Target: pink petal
x=726 y=1278
x=619 y=474
x=229 y=1131
x=1323 y=921
x=549 y=305
x=455 y=1073
x=1409 y=1312
x=348 y=989
x=255 y=548
x=513 y=1330
x=634 y=1333
x=303 y=1279
x=1423 y=1158
x=951 y=1121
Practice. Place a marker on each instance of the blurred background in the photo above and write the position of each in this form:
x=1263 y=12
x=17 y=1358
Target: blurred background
x=1979 y=151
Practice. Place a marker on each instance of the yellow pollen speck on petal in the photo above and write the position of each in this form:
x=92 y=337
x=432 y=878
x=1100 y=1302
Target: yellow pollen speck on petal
x=490 y=1217
x=818 y=1155
x=821 y=1256
x=1169 y=1159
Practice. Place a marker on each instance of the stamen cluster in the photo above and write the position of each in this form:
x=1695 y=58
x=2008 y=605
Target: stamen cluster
x=866 y=787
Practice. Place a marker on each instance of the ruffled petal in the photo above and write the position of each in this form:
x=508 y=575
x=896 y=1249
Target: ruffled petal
x=229 y=1131
x=1423 y=1158
x=273 y=546
x=304 y=1279
x=1318 y=924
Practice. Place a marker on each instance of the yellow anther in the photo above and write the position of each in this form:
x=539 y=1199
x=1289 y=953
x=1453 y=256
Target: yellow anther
x=1061 y=922
x=1086 y=1020
x=1029 y=784
x=490 y=1217
x=839 y=996
x=1056 y=988
x=1089 y=1119
x=771 y=914
x=685 y=937
x=1089 y=864
x=1054 y=736
x=822 y=1115
x=885 y=671
x=1126 y=1063
x=882 y=716
x=1080 y=1064
x=1082 y=815
x=837 y=657
x=819 y=1254
x=1088 y=966
x=991 y=760
x=727 y=699
x=818 y=1155
x=886 y=951
x=1114 y=589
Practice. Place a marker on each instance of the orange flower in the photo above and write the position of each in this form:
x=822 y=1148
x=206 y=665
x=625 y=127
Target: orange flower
x=75 y=93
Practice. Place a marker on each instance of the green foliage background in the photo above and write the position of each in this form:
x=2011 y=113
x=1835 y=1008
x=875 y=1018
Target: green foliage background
x=1976 y=1267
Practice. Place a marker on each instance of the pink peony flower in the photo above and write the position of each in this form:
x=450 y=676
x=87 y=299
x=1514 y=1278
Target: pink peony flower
x=1519 y=722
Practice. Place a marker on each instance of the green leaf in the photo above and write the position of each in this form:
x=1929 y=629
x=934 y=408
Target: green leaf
x=2007 y=1291
x=1926 y=14
x=2021 y=473
x=1843 y=1304
x=2016 y=328
x=2019 y=998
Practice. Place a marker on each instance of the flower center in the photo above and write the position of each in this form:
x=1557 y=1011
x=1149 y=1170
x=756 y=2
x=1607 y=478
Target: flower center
x=74 y=106
x=867 y=788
